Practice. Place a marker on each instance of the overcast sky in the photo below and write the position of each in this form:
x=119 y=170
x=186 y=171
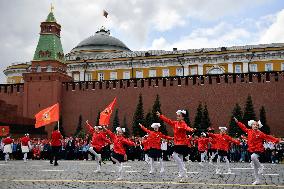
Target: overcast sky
x=141 y=24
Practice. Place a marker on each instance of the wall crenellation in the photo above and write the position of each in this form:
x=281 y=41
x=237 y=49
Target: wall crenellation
x=197 y=80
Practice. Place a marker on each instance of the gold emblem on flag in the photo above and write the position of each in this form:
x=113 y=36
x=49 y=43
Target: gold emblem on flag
x=46 y=116
x=107 y=111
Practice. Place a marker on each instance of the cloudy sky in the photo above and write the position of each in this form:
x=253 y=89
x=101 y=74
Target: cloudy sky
x=141 y=24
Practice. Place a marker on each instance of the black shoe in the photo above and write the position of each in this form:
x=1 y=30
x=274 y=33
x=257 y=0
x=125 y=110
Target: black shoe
x=51 y=162
x=55 y=164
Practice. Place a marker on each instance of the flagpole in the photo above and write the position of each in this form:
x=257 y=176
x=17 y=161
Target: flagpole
x=58 y=124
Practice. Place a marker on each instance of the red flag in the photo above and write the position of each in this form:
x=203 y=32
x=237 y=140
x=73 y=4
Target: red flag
x=105 y=13
x=47 y=116
x=4 y=130
x=105 y=115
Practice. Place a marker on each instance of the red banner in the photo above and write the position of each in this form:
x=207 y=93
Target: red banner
x=4 y=130
x=105 y=115
x=47 y=116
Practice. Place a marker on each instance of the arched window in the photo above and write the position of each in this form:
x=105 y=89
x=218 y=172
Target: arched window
x=38 y=68
x=49 y=68
x=216 y=70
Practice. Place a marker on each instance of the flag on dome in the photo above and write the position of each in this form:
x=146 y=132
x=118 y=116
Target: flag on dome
x=105 y=13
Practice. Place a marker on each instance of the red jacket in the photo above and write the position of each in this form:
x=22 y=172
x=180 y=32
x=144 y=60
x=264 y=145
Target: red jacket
x=202 y=144
x=155 y=138
x=180 y=128
x=214 y=145
x=223 y=141
x=99 y=140
x=119 y=142
x=145 y=144
x=256 y=138
x=25 y=140
x=7 y=140
x=55 y=138
x=189 y=140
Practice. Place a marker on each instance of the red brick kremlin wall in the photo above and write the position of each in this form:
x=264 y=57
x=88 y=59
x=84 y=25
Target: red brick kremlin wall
x=220 y=93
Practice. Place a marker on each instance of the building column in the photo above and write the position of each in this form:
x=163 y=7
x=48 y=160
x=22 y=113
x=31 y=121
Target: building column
x=200 y=69
x=82 y=75
x=245 y=67
x=186 y=71
x=230 y=68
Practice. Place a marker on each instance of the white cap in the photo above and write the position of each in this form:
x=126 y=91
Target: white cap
x=27 y=134
x=155 y=125
x=120 y=129
x=203 y=134
x=223 y=128
x=181 y=112
x=250 y=122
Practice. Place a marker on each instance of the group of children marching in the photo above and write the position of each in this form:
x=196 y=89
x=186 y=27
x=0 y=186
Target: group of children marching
x=220 y=144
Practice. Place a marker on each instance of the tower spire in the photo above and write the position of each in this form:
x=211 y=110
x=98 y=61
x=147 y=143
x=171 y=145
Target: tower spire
x=51 y=7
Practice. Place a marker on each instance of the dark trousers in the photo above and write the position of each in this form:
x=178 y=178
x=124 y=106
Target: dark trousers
x=54 y=153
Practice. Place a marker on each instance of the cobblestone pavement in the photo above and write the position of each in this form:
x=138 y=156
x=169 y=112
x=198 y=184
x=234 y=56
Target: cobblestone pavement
x=80 y=174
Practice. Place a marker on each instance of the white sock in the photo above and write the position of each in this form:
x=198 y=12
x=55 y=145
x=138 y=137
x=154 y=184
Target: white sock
x=162 y=165
x=6 y=157
x=256 y=164
x=179 y=162
x=25 y=156
x=98 y=156
x=202 y=159
x=218 y=162
x=227 y=162
x=151 y=164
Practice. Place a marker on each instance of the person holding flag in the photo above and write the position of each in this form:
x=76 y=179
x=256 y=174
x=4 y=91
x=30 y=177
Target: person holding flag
x=154 y=141
x=180 y=139
x=25 y=146
x=55 y=145
x=99 y=140
x=119 y=152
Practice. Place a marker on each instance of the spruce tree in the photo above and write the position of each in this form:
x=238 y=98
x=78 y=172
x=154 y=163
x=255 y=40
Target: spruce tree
x=186 y=118
x=98 y=118
x=198 y=117
x=148 y=119
x=234 y=129
x=124 y=125
x=79 y=126
x=138 y=118
x=262 y=117
x=205 y=122
x=115 y=121
x=249 y=113
x=155 y=118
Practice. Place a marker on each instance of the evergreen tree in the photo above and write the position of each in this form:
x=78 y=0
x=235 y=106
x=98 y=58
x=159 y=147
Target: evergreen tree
x=138 y=118
x=148 y=119
x=98 y=118
x=155 y=118
x=124 y=125
x=262 y=117
x=249 y=113
x=198 y=117
x=79 y=126
x=205 y=122
x=234 y=129
x=115 y=121
x=186 y=118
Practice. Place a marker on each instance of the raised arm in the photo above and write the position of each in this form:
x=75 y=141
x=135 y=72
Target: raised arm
x=128 y=142
x=241 y=125
x=166 y=137
x=166 y=120
x=233 y=140
x=270 y=138
x=108 y=132
x=144 y=128
x=89 y=128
